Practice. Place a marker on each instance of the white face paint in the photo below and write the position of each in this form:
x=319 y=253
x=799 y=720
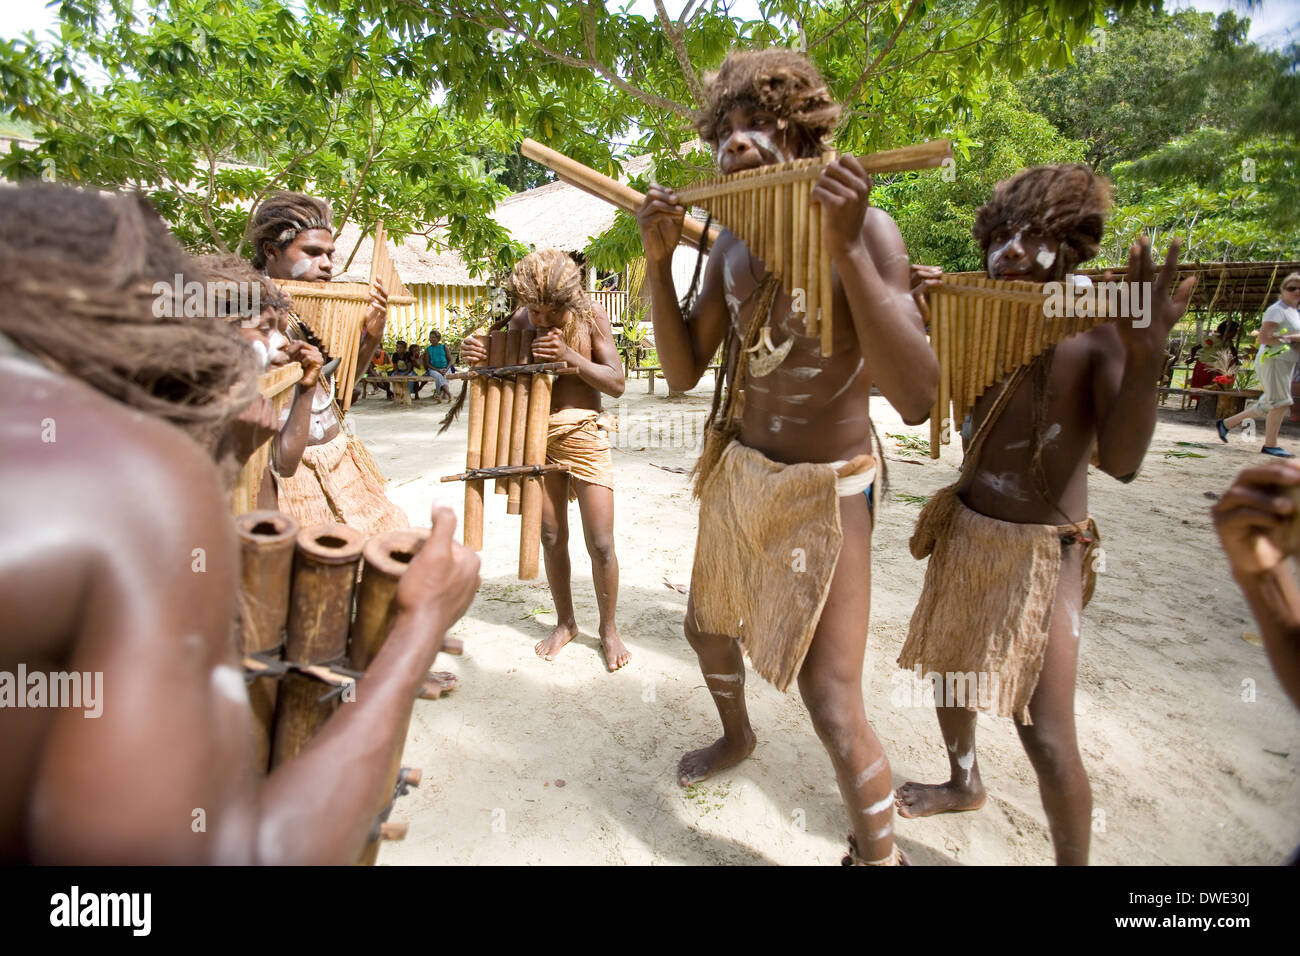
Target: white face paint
x=299 y=268
x=766 y=146
x=1000 y=250
x=229 y=683
x=1045 y=258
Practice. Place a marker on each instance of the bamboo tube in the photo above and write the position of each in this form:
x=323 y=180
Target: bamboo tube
x=320 y=615
x=530 y=531
x=812 y=274
x=504 y=429
x=492 y=405
x=945 y=384
x=936 y=413
x=519 y=422
x=801 y=251
x=603 y=187
x=387 y=556
x=474 y=450
x=266 y=543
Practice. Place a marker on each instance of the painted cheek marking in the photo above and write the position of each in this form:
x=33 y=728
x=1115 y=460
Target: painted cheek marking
x=299 y=267
x=1045 y=258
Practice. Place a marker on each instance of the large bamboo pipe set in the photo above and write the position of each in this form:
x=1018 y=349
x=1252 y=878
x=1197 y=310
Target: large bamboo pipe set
x=335 y=311
x=275 y=384
x=982 y=330
x=768 y=209
x=509 y=413
x=303 y=646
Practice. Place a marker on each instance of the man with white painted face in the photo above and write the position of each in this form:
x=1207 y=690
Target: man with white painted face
x=1013 y=550
x=782 y=561
x=293 y=238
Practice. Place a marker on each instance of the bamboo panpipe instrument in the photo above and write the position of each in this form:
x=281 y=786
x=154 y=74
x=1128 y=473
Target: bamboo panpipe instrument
x=486 y=371
x=387 y=556
x=275 y=384
x=530 y=527
x=507 y=440
x=506 y=416
x=335 y=311
x=266 y=546
x=519 y=422
x=603 y=187
x=320 y=616
x=769 y=209
x=982 y=330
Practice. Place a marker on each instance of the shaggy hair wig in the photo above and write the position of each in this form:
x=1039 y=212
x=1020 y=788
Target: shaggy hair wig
x=281 y=218
x=1066 y=203
x=550 y=277
x=780 y=81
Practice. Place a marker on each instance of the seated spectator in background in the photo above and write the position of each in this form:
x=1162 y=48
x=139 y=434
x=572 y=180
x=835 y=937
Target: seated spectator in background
x=101 y=525
x=382 y=365
x=418 y=367
x=439 y=363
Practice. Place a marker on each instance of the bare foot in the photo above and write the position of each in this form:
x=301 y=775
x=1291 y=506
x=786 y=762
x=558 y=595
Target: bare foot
x=616 y=654
x=722 y=753
x=562 y=634
x=927 y=799
x=437 y=683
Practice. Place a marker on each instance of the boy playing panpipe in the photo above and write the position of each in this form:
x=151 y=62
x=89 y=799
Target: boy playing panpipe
x=571 y=328
x=118 y=562
x=782 y=561
x=1011 y=543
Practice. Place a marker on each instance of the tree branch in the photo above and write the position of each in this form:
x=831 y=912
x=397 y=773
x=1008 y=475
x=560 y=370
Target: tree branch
x=857 y=87
x=678 y=43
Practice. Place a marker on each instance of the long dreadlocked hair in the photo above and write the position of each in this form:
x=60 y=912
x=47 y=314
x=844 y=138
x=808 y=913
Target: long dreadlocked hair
x=1069 y=204
x=230 y=275
x=281 y=218
x=78 y=278
x=551 y=277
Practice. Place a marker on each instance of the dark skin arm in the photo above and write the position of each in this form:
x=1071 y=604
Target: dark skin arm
x=291 y=440
x=173 y=735
x=1252 y=519
x=1126 y=394
x=686 y=343
x=871 y=259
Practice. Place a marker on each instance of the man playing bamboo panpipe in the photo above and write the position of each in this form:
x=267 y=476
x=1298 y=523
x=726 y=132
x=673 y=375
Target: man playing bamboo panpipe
x=1011 y=544
x=292 y=237
x=782 y=561
x=119 y=564
x=572 y=328
x=265 y=332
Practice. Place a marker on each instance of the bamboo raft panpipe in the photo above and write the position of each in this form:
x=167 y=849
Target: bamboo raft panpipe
x=277 y=385
x=266 y=547
x=335 y=311
x=603 y=187
x=768 y=209
x=982 y=330
x=320 y=618
x=386 y=558
x=509 y=416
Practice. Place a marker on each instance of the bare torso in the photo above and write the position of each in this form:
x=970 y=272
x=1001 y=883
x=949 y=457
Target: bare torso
x=811 y=408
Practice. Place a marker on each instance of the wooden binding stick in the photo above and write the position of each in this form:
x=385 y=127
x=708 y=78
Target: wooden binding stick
x=266 y=543
x=492 y=405
x=473 y=534
x=387 y=556
x=507 y=409
x=503 y=472
x=519 y=422
x=610 y=190
x=530 y=529
x=320 y=615
x=486 y=370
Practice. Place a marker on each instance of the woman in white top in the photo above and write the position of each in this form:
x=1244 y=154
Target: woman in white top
x=1277 y=360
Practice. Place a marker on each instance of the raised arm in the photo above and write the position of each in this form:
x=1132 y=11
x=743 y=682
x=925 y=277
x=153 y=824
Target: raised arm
x=1125 y=381
x=685 y=344
x=165 y=773
x=868 y=252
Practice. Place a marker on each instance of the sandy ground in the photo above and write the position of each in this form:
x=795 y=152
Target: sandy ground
x=536 y=762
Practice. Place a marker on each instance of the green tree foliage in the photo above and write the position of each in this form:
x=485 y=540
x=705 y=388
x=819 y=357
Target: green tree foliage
x=935 y=211
x=208 y=107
